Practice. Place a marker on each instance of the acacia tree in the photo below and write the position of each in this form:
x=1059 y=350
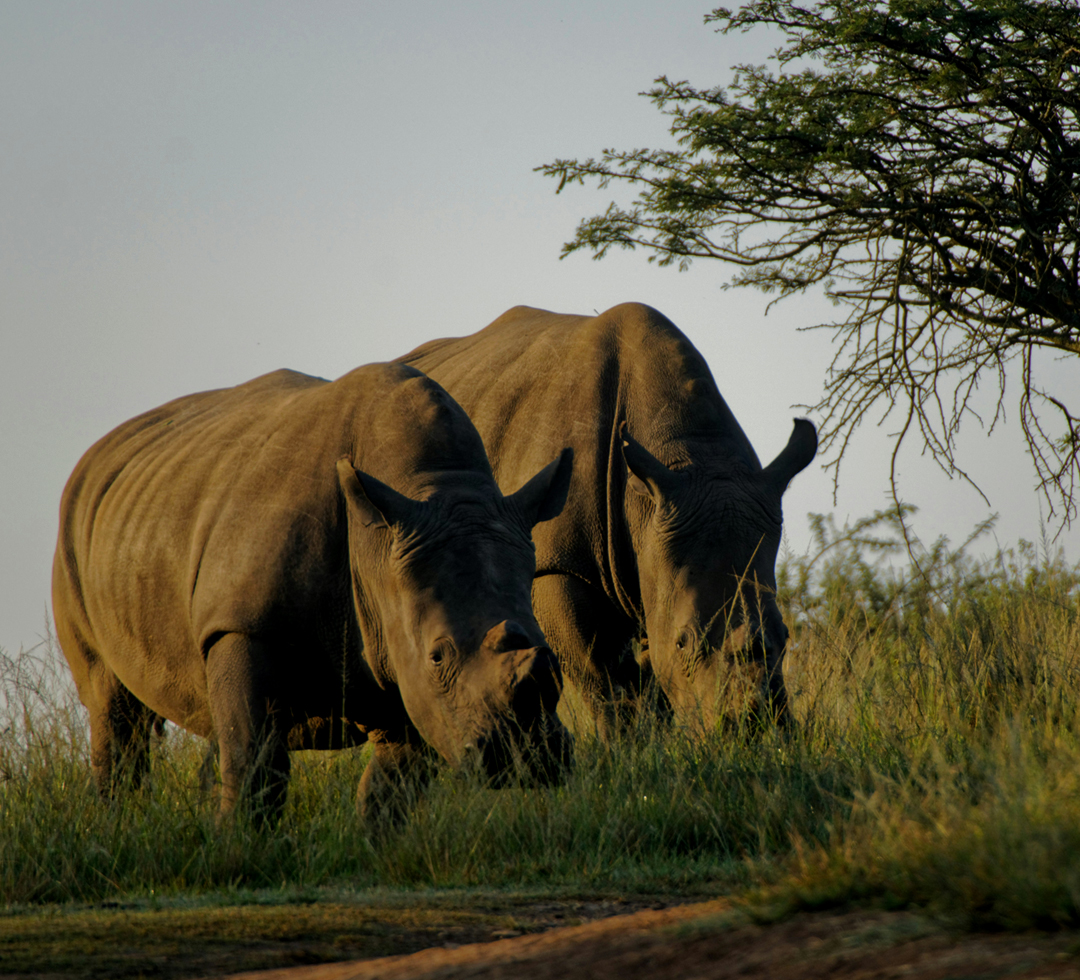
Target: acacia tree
x=920 y=161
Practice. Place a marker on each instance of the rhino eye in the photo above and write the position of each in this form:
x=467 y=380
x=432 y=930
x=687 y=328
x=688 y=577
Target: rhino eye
x=440 y=652
x=690 y=647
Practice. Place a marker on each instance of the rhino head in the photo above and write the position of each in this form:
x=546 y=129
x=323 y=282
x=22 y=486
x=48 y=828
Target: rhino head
x=707 y=548
x=446 y=614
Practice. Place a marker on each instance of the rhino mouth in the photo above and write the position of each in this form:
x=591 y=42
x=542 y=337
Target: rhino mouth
x=746 y=698
x=512 y=757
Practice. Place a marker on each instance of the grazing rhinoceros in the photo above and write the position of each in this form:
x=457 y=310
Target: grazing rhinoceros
x=231 y=562
x=671 y=527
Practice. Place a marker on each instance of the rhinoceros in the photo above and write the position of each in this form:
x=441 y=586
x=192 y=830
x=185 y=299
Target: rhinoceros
x=296 y=563
x=672 y=526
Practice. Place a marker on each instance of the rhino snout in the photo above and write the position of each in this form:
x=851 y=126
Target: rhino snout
x=536 y=686
x=523 y=740
x=530 y=670
x=516 y=734
x=508 y=636
x=760 y=660
x=761 y=642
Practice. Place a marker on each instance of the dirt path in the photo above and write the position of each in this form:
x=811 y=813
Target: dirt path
x=408 y=936
x=707 y=940
x=179 y=940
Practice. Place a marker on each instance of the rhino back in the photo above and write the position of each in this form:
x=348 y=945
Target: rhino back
x=534 y=382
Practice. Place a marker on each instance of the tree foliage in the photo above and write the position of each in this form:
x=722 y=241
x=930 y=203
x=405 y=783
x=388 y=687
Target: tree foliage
x=920 y=161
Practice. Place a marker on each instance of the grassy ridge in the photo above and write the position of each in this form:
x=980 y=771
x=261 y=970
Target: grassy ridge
x=969 y=674
x=936 y=762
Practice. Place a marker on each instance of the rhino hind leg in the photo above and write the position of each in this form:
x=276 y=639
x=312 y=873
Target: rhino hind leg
x=120 y=724
x=120 y=740
x=395 y=777
x=592 y=640
x=252 y=752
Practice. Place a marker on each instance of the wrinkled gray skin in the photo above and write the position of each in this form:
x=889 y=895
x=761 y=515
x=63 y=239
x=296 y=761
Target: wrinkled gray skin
x=671 y=527
x=295 y=563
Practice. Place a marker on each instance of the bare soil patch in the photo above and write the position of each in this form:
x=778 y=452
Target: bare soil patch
x=120 y=941
x=492 y=937
x=708 y=940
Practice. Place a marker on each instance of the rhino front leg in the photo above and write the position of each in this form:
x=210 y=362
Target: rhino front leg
x=592 y=641
x=396 y=775
x=252 y=754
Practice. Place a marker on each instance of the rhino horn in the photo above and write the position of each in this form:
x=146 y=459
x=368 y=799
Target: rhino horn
x=544 y=496
x=795 y=456
x=648 y=476
x=376 y=504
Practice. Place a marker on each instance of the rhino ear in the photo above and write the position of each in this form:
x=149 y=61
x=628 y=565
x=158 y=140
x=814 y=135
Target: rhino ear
x=647 y=475
x=544 y=496
x=794 y=457
x=376 y=504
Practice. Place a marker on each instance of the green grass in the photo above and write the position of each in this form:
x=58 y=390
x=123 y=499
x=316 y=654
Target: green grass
x=935 y=763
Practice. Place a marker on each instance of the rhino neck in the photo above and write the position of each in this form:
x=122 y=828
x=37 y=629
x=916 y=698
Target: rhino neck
x=689 y=424
x=410 y=432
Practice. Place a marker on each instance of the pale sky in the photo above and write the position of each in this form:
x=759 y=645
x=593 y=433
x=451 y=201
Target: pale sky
x=196 y=193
